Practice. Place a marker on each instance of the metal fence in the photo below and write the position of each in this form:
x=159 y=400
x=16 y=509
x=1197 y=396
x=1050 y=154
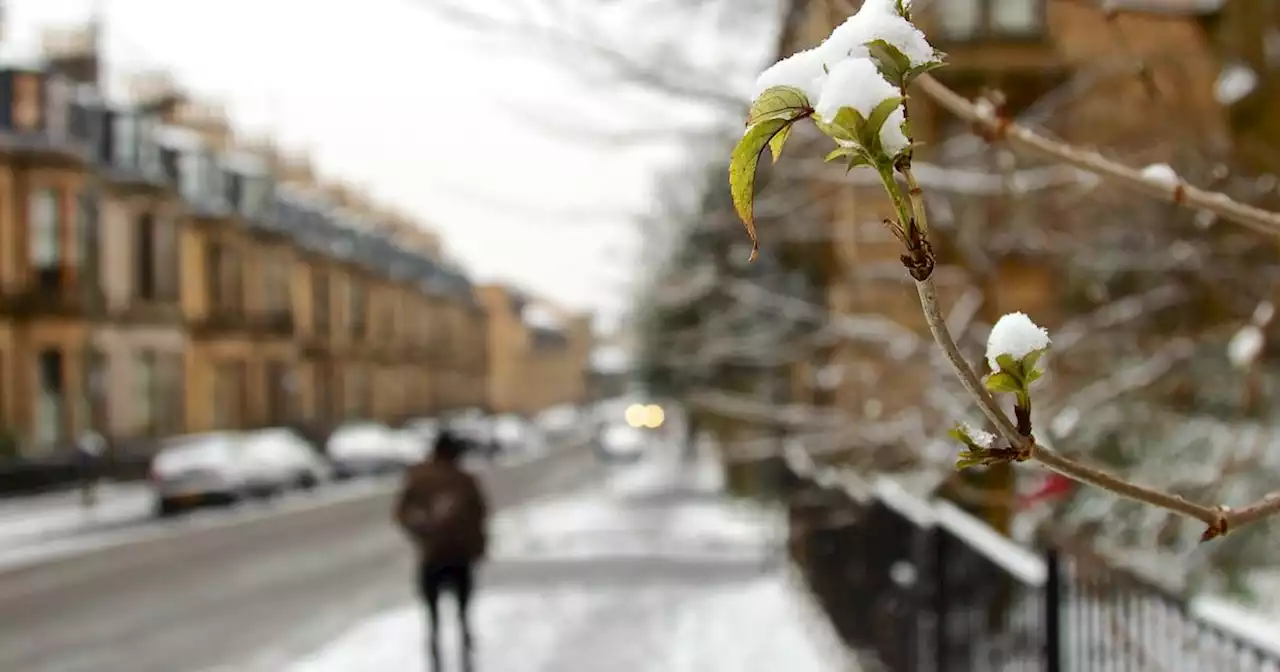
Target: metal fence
x=920 y=586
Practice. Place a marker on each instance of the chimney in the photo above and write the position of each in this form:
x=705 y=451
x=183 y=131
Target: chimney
x=209 y=119
x=73 y=52
x=295 y=170
x=156 y=90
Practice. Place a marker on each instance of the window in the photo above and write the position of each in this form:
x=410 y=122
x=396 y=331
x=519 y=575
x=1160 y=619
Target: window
x=213 y=275
x=144 y=253
x=50 y=411
x=43 y=220
x=145 y=395
x=95 y=388
x=229 y=402
x=974 y=19
x=1015 y=17
x=166 y=258
x=278 y=393
x=233 y=189
x=277 y=285
x=150 y=156
x=57 y=108
x=86 y=227
x=257 y=193
x=191 y=176
x=28 y=106
x=171 y=165
x=358 y=304
x=170 y=398
x=125 y=146
x=959 y=19
x=320 y=303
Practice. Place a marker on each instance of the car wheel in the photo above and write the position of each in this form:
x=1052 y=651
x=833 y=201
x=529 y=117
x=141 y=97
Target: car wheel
x=308 y=481
x=166 y=508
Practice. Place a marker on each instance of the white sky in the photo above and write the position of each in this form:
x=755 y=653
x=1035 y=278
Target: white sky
x=426 y=115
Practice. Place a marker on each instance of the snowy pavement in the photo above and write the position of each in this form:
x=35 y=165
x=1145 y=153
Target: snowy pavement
x=650 y=571
x=29 y=519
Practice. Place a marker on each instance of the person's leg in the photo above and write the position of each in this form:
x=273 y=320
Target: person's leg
x=429 y=586
x=463 y=584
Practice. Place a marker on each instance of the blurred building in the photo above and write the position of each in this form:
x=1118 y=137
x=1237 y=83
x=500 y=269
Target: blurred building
x=538 y=353
x=160 y=274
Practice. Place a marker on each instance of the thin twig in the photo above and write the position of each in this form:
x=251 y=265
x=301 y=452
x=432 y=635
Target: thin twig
x=999 y=128
x=968 y=377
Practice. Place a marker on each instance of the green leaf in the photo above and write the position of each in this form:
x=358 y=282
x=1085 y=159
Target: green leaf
x=839 y=152
x=1002 y=382
x=890 y=61
x=959 y=435
x=742 y=172
x=877 y=119
x=1007 y=362
x=776 y=143
x=859 y=158
x=779 y=102
x=834 y=130
x=1029 y=362
x=922 y=69
x=1033 y=376
x=850 y=122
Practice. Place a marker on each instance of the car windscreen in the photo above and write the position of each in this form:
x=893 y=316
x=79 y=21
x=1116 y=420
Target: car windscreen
x=201 y=453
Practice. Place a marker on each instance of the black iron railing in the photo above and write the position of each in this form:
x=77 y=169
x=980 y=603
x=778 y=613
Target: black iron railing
x=919 y=586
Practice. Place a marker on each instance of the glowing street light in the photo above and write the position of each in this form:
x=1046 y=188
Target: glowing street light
x=637 y=415
x=654 y=416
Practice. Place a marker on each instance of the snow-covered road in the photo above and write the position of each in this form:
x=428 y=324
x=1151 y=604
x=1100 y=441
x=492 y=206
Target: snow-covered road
x=651 y=571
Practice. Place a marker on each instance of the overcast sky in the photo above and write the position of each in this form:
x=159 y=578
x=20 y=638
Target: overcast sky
x=428 y=116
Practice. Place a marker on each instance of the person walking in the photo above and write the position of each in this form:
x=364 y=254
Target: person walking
x=444 y=512
x=90 y=452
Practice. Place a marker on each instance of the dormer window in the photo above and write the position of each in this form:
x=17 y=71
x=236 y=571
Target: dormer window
x=191 y=176
x=971 y=20
x=58 y=95
x=125 y=138
x=233 y=187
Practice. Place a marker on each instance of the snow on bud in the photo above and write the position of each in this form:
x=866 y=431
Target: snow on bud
x=1017 y=336
x=1245 y=346
x=1161 y=174
x=978 y=437
x=1014 y=349
x=878 y=20
x=858 y=85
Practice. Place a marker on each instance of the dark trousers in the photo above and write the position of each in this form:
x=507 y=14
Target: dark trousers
x=434 y=579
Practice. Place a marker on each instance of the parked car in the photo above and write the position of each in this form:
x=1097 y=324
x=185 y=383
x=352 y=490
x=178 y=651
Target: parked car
x=364 y=448
x=621 y=443
x=517 y=436
x=424 y=430
x=278 y=459
x=197 y=470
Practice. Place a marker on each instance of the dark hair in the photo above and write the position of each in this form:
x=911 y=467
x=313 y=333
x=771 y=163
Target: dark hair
x=449 y=446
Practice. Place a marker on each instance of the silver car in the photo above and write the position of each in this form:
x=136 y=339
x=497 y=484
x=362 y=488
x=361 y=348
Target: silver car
x=197 y=470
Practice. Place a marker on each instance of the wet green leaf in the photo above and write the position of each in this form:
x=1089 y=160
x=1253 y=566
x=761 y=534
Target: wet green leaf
x=742 y=172
x=1031 y=360
x=1002 y=382
x=879 y=115
x=779 y=102
x=780 y=139
x=890 y=61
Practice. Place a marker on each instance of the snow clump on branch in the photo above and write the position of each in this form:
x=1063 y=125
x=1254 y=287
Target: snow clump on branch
x=1017 y=336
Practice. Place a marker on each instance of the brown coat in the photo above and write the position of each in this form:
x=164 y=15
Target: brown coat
x=442 y=509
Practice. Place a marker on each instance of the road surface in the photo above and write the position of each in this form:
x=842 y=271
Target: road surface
x=207 y=598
